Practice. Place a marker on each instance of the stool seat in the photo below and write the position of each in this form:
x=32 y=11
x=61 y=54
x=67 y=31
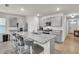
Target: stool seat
x=30 y=43
x=37 y=49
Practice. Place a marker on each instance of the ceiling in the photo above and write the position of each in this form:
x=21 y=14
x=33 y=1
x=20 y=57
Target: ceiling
x=42 y=9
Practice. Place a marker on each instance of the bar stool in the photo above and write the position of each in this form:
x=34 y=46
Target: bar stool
x=24 y=46
x=19 y=44
x=28 y=46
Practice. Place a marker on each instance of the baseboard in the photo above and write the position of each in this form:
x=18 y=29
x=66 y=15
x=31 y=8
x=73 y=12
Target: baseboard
x=58 y=42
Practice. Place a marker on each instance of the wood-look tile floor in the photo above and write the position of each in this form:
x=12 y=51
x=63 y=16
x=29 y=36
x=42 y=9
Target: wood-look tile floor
x=70 y=45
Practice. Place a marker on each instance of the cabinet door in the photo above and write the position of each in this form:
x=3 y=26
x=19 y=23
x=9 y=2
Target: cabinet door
x=58 y=34
x=43 y=21
x=13 y=21
x=56 y=21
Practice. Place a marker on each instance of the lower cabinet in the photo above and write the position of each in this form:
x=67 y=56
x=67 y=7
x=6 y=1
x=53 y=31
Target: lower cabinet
x=58 y=34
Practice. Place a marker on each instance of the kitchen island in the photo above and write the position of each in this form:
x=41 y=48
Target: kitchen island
x=47 y=41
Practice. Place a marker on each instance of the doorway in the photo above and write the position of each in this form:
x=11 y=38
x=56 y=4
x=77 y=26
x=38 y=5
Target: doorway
x=72 y=25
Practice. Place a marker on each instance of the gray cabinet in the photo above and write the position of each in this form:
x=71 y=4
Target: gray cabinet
x=13 y=22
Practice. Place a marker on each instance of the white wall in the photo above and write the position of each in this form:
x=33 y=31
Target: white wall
x=64 y=28
x=33 y=23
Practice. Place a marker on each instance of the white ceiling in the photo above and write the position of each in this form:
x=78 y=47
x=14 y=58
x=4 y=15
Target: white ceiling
x=42 y=9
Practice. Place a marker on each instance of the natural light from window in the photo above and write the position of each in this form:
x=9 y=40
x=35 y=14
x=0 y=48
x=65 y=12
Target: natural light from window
x=2 y=25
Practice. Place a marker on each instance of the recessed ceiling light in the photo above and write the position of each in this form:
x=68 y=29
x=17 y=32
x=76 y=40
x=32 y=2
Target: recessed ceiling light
x=72 y=16
x=57 y=9
x=38 y=14
x=22 y=9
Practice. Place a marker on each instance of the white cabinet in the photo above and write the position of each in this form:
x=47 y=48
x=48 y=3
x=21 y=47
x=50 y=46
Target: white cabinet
x=56 y=21
x=58 y=34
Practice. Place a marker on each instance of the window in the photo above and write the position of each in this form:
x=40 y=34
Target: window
x=2 y=25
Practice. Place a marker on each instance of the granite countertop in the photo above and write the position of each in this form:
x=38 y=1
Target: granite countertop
x=41 y=38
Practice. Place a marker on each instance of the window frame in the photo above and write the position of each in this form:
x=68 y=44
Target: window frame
x=4 y=25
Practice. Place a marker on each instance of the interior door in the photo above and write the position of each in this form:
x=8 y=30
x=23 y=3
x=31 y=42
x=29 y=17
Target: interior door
x=72 y=25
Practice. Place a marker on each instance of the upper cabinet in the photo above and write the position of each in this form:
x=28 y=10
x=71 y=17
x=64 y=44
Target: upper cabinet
x=54 y=21
x=13 y=21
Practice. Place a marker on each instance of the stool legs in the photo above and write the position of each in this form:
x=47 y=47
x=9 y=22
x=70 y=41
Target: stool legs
x=30 y=49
